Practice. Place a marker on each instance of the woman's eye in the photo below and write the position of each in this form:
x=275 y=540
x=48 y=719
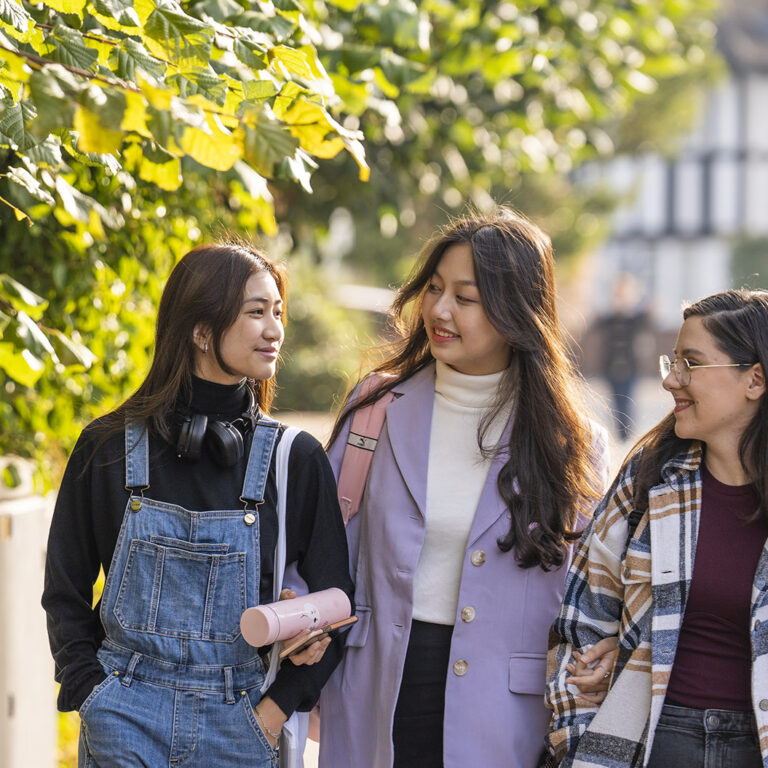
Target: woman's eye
x=466 y=299
x=256 y=312
x=432 y=288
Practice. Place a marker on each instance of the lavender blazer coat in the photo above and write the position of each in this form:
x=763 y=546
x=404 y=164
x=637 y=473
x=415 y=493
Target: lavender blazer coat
x=494 y=707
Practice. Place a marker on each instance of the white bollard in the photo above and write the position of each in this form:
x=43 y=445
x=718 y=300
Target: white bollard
x=27 y=691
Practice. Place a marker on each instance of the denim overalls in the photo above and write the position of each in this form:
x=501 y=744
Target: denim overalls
x=181 y=682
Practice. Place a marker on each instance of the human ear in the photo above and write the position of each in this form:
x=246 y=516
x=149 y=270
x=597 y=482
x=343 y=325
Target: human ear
x=200 y=336
x=756 y=383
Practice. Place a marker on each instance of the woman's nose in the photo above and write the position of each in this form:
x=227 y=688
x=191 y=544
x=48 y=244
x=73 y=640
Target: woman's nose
x=670 y=381
x=441 y=309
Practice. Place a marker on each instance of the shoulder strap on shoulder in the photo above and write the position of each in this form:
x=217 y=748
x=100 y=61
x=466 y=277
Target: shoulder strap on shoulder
x=364 y=432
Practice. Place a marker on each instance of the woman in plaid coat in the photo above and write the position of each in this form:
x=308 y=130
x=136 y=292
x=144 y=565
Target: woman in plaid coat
x=675 y=565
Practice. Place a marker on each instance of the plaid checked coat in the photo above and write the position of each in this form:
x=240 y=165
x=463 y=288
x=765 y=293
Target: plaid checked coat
x=639 y=595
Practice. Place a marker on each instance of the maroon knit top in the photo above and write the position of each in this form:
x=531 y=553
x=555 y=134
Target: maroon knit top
x=713 y=661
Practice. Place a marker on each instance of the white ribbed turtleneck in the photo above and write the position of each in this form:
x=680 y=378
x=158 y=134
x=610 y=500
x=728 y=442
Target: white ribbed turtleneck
x=456 y=475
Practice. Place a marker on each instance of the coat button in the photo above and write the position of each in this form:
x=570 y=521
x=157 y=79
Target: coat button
x=468 y=614
x=249 y=518
x=627 y=572
x=460 y=667
x=478 y=557
x=757 y=625
x=764 y=705
x=135 y=504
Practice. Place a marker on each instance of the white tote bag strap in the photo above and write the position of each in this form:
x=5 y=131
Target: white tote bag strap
x=282 y=454
x=294 y=733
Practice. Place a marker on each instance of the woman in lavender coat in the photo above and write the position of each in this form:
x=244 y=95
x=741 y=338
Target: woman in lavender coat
x=483 y=474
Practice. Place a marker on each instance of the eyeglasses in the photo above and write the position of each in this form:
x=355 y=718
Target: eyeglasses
x=683 y=368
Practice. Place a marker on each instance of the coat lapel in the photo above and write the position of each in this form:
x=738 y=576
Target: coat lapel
x=409 y=422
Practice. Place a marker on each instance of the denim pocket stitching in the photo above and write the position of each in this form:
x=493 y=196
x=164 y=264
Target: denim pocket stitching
x=102 y=686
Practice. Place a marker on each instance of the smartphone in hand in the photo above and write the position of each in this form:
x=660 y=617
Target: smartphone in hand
x=299 y=643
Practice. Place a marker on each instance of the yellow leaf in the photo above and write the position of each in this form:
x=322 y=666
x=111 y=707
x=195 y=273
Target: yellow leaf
x=167 y=176
x=214 y=148
x=95 y=227
x=143 y=9
x=356 y=149
x=102 y=49
x=66 y=6
x=159 y=98
x=295 y=61
x=135 y=117
x=93 y=136
x=13 y=73
x=17 y=212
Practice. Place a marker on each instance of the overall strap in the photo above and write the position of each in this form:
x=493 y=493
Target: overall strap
x=263 y=444
x=136 y=455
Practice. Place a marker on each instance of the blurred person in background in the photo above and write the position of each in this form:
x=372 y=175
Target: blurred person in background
x=485 y=471
x=675 y=566
x=619 y=334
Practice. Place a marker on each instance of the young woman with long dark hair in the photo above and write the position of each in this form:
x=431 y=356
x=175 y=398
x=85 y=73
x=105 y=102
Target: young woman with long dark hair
x=174 y=496
x=686 y=593
x=482 y=476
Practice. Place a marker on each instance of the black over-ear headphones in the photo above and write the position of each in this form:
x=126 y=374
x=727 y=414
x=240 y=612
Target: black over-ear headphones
x=223 y=439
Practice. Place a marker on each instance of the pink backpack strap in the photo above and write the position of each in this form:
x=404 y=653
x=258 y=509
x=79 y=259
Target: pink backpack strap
x=364 y=434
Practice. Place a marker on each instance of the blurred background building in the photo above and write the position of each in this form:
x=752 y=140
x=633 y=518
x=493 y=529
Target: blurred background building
x=697 y=222
x=693 y=222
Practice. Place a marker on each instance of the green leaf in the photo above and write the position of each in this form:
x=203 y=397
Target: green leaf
x=46 y=154
x=219 y=10
x=129 y=56
x=13 y=120
x=70 y=352
x=25 y=179
x=21 y=298
x=53 y=104
x=186 y=39
x=276 y=27
x=66 y=47
x=116 y=14
x=252 y=54
x=258 y=90
x=29 y=336
x=266 y=143
x=15 y=19
x=199 y=80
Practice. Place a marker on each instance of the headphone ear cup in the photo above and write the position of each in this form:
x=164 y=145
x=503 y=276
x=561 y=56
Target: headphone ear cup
x=225 y=443
x=191 y=435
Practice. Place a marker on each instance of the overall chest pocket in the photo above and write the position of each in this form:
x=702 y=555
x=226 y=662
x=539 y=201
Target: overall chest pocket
x=182 y=589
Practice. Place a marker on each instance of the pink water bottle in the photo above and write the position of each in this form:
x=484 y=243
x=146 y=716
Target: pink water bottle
x=265 y=624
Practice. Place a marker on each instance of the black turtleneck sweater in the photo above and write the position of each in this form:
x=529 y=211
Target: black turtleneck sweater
x=89 y=511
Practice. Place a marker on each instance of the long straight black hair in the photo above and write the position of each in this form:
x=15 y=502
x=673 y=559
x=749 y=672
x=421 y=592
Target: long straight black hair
x=738 y=323
x=205 y=287
x=549 y=473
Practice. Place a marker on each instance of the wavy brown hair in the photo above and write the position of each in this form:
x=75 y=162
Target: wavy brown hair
x=206 y=287
x=549 y=473
x=738 y=323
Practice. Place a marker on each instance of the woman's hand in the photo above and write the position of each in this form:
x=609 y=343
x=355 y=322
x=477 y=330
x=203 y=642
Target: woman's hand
x=270 y=719
x=312 y=653
x=593 y=681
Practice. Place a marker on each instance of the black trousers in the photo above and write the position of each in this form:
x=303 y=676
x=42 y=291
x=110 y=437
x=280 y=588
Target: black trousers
x=705 y=738
x=418 y=727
